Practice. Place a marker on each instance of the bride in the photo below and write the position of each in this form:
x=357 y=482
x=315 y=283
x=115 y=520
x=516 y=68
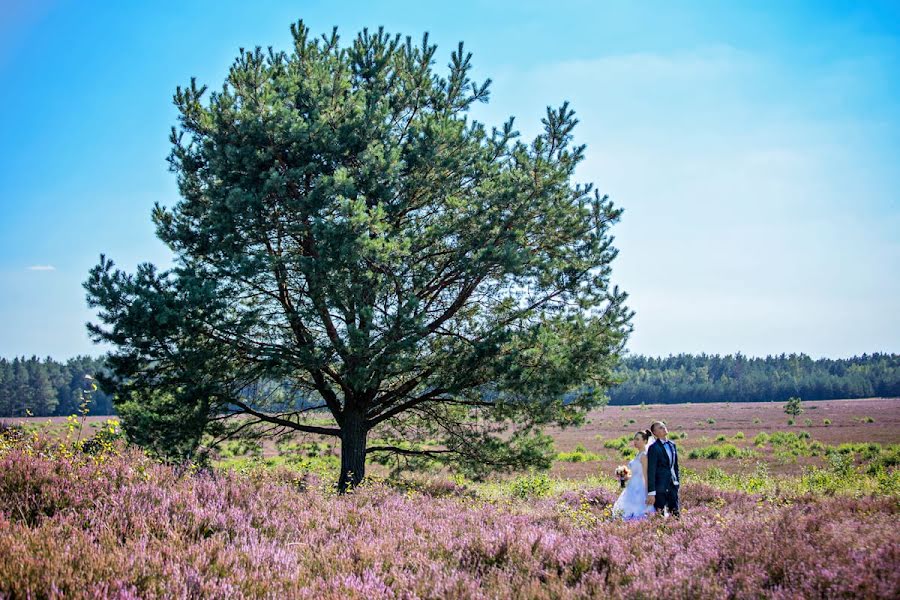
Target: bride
x=632 y=502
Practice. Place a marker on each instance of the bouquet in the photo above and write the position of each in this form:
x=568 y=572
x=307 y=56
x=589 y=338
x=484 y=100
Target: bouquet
x=623 y=474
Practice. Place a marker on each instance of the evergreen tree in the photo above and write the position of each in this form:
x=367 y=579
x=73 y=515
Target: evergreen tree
x=6 y=375
x=793 y=407
x=41 y=397
x=19 y=391
x=347 y=229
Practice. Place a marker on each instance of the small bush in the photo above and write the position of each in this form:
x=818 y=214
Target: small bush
x=718 y=451
x=531 y=486
x=761 y=439
x=756 y=421
x=807 y=422
x=826 y=422
x=711 y=421
x=720 y=438
x=580 y=454
x=739 y=435
x=790 y=422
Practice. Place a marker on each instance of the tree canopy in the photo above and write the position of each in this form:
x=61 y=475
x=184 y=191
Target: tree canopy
x=348 y=235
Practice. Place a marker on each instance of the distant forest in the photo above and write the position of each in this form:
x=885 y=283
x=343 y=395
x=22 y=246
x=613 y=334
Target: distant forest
x=49 y=388
x=737 y=378
x=46 y=388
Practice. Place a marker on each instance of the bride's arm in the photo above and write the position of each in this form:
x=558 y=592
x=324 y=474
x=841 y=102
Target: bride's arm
x=644 y=470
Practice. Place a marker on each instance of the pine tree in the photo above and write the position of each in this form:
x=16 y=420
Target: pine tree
x=793 y=407
x=349 y=233
x=6 y=375
x=41 y=397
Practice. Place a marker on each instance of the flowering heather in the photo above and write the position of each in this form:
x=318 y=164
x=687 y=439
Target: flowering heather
x=122 y=526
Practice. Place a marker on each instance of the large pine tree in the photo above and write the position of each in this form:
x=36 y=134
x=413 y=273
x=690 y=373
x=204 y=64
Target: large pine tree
x=349 y=236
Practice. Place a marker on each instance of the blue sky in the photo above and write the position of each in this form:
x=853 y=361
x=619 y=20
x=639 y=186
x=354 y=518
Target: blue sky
x=755 y=147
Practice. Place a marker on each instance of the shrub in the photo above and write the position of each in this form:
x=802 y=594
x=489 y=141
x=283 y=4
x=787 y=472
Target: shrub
x=826 y=422
x=761 y=439
x=718 y=451
x=531 y=486
x=711 y=421
x=807 y=422
x=720 y=438
x=739 y=435
x=756 y=421
x=790 y=422
x=235 y=448
x=618 y=443
x=580 y=454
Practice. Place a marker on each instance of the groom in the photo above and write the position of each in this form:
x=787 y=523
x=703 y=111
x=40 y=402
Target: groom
x=662 y=471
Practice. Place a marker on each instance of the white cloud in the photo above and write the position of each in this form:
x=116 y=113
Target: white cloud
x=42 y=268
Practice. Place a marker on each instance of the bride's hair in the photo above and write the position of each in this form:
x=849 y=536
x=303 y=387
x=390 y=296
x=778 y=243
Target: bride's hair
x=645 y=434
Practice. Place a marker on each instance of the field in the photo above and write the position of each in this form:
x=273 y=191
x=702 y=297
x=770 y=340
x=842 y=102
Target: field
x=808 y=510
x=872 y=420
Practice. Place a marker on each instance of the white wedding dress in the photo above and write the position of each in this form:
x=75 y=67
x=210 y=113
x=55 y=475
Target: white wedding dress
x=632 y=502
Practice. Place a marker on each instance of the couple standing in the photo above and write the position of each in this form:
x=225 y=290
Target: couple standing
x=654 y=479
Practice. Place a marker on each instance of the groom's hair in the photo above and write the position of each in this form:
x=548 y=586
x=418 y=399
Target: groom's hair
x=655 y=423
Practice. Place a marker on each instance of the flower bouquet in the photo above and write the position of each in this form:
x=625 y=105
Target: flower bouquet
x=623 y=474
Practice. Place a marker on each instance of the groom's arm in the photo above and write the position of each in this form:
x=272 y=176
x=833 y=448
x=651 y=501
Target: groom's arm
x=651 y=473
x=677 y=471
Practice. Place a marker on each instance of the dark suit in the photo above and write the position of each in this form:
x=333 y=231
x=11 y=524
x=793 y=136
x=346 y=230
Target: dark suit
x=659 y=476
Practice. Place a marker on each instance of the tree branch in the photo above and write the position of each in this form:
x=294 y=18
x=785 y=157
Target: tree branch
x=290 y=424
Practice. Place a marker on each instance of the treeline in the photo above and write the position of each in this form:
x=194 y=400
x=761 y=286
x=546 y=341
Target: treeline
x=737 y=378
x=46 y=388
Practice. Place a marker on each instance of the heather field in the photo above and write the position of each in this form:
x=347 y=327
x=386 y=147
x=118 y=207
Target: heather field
x=796 y=516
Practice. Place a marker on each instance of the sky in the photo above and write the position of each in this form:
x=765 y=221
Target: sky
x=755 y=148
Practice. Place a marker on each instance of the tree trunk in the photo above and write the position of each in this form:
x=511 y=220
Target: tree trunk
x=353 y=450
